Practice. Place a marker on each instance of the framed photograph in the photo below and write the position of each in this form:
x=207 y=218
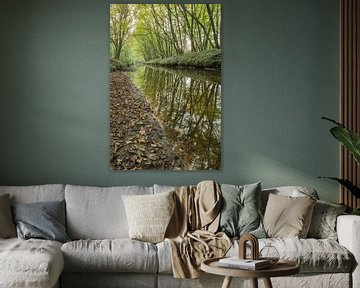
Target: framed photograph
x=165 y=86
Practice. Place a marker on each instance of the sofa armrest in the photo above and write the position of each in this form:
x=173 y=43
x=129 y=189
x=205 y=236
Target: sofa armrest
x=348 y=230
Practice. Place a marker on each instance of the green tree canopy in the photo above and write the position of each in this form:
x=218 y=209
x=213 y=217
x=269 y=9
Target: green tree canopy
x=164 y=30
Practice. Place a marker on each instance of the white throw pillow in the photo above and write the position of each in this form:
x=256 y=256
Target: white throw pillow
x=149 y=215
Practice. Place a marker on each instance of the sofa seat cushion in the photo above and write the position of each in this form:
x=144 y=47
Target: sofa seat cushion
x=313 y=255
x=164 y=257
x=30 y=263
x=115 y=255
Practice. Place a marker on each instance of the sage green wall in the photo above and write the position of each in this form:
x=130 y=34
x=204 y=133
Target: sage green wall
x=280 y=75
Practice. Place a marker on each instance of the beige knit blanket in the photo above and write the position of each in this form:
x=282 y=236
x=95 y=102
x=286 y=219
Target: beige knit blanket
x=191 y=231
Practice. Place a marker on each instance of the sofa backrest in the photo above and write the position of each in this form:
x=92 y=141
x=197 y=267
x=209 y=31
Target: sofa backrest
x=293 y=191
x=98 y=212
x=36 y=193
x=163 y=188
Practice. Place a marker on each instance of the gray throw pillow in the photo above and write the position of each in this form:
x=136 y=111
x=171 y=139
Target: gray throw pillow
x=7 y=226
x=44 y=220
x=240 y=213
x=323 y=222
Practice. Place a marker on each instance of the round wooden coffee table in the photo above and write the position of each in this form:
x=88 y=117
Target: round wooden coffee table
x=281 y=268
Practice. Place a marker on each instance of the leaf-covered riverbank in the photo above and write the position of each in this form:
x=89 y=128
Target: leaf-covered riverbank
x=137 y=140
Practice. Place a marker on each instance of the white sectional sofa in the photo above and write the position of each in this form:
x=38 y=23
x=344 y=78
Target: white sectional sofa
x=101 y=254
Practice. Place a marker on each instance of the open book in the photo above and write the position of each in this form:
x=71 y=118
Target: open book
x=236 y=262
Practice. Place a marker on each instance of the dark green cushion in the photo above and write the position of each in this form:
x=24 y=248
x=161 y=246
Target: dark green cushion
x=240 y=210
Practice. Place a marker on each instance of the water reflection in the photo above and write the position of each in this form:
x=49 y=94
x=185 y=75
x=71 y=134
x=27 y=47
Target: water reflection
x=188 y=105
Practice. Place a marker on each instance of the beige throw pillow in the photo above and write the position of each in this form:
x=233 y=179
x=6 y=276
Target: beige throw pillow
x=148 y=215
x=288 y=217
x=7 y=226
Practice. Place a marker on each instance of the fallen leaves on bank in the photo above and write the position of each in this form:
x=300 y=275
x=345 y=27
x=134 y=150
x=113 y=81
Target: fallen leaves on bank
x=137 y=140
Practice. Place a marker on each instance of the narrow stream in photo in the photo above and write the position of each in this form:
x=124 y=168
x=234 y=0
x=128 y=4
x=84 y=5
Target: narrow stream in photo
x=187 y=103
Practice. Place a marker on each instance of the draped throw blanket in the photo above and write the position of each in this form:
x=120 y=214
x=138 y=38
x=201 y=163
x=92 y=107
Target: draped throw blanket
x=191 y=231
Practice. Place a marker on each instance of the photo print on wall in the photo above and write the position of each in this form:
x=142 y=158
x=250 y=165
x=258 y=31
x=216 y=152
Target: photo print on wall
x=165 y=86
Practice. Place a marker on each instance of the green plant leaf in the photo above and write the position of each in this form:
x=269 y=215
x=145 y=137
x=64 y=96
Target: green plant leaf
x=333 y=121
x=347 y=184
x=348 y=138
x=355 y=211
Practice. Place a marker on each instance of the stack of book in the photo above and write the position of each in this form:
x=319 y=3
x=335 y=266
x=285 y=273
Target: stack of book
x=236 y=262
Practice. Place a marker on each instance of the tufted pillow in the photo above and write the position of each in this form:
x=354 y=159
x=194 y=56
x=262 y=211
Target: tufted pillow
x=149 y=215
x=240 y=210
x=7 y=226
x=288 y=217
x=323 y=222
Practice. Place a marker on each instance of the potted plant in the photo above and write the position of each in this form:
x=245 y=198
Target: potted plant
x=351 y=141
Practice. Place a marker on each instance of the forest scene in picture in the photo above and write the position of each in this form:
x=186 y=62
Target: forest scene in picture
x=165 y=86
